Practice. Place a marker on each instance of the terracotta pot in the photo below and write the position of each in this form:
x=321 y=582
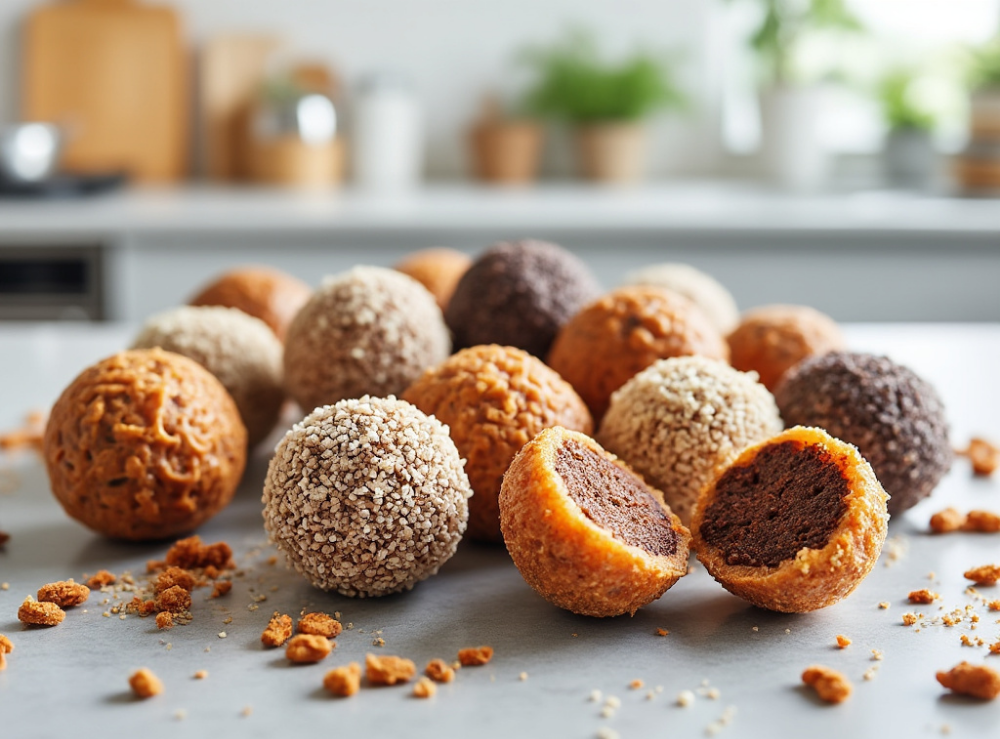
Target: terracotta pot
x=984 y=115
x=611 y=152
x=505 y=152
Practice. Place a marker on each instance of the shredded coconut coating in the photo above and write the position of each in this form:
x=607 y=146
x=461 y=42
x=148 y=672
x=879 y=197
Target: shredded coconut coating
x=367 y=331
x=676 y=422
x=241 y=351
x=695 y=285
x=367 y=497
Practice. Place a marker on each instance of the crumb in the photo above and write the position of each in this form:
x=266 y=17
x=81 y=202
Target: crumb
x=272 y=561
x=174 y=577
x=222 y=634
x=909 y=619
x=145 y=684
x=830 y=685
x=319 y=624
x=869 y=674
x=636 y=684
x=977 y=681
x=523 y=676
x=842 y=641
x=221 y=588
x=995 y=648
x=994 y=605
x=228 y=620
x=6 y=645
x=877 y=655
x=985 y=456
x=247 y=711
x=101 y=579
x=607 y=712
x=984 y=575
x=983 y=522
x=4 y=586
x=388 y=670
x=180 y=714
x=662 y=632
x=606 y=732
x=424 y=688
x=946 y=521
x=923 y=597
x=343 y=681
x=4 y=538
x=308 y=648
x=595 y=696
x=473 y=656
x=34 y=613
x=174 y=599
x=438 y=670
x=164 y=620
x=201 y=674
x=378 y=642
x=884 y=605
x=278 y=630
x=64 y=593
x=613 y=702
x=191 y=553
x=685 y=698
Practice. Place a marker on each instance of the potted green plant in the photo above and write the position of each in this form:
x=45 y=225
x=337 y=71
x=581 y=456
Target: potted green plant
x=909 y=152
x=605 y=102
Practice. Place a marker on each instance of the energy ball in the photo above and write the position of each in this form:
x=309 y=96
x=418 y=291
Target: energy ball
x=144 y=445
x=585 y=531
x=794 y=524
x=894 y=418
x=608 y=342
x=439 y=270
x=241 y=351
x=677 y=421
x=519 y=294
x=700 y=288
x=495 y=399
x=262 y=292
x=366 y=497
x=773 y=339
x=369 y=331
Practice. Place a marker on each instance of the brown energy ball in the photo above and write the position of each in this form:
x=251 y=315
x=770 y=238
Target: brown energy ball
x=240 y=350
x=585 y=531
x=700 y=288
x=679 y=419
x=794 y=524
x=608 y=342
x=367 y=331
x=891 y=415
x=145 y=445
x=519 y=294
x=366 y=497
x=495 y=399
x=773 y=339
x=262 y=292
x=439 y=270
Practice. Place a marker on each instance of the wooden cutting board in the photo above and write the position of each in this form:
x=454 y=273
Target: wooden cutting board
x=113 y=73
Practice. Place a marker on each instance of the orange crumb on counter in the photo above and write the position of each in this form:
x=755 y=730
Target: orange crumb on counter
x=308 y=648
x=201 y=674
x=100 y=579
x=65 y=593
x=474 y=656
x=424 y=688
x=984 y=522
x=388 y=669
x=946 y=521
x=278 y=630
x=984 y=455
x=343 y=681
x=164 y=620
x=174 y=577
x=843 y=642
x=145 y=684
x=983 y=575
x=221 y=587
x=909 y=619
x=320 y=624
x=439 y=671
x=34 y=613
x=977 y=681
x=830 y=685
x=922 y=596
x=174 y=599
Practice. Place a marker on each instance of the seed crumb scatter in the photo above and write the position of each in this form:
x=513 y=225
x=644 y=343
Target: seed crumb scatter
x=830 y=685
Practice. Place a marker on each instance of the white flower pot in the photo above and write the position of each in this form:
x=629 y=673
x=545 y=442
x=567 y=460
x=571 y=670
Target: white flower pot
x=909 y=158
x=792 y=154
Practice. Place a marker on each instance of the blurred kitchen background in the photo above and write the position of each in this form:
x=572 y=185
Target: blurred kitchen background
x=838 y=153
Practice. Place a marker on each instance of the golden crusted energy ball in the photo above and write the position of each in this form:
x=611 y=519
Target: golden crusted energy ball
x=495 y=399
x=262 y=292
x=144 y=445
x=240 y=350
x=366 y=497
x=585 y=531
x=369 y=331
x=608 y=342
x=678 y=420
x=700 y=288
x=794 y=524
x=439 y=270
x=773 y=339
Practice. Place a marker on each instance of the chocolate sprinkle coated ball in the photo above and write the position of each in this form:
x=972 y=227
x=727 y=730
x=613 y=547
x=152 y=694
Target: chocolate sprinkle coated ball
x=681 y=418
x=519 y=294
x=700 y=288
x=366 y=497
x=895 y=419
x=367 y=331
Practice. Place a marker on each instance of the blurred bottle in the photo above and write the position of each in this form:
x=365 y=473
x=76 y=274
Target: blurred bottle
x=387 y=147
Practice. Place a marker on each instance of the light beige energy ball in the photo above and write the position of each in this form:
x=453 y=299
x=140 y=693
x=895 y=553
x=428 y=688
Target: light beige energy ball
x=677 y=421
x=369 y=331
x=241 y=351
x=699 y=287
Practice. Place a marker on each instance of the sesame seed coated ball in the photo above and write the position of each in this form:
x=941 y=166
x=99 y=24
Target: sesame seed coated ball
x=677 y=421
x=366 y=497
x=439 y=270
x=241 y=351
x=699 y=287
x=369 y=331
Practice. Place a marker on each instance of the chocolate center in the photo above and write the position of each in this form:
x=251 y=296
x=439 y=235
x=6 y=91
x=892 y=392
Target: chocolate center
x=615 y=499
x=788 y=497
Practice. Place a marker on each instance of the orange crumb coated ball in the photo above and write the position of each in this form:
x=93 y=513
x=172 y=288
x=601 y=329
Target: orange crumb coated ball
x=144 y=445
x=439 y=270
x=774 y=338
x=266 y=293
x=619 y=335
x=585 y=531
x=494 y=400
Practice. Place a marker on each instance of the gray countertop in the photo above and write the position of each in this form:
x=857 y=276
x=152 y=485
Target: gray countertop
x=73 y=677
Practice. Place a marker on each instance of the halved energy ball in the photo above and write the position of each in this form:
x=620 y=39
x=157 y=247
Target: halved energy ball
x=794 y=524
x=587 y=533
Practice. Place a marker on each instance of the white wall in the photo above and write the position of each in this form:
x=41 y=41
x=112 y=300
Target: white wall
x=456 y=49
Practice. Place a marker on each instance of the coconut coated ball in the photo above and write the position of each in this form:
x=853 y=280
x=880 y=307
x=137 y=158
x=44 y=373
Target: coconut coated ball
x=677 y=421
x=699 y=287
x=519 y=294
x=369 y=331
x=773 y=339
x=439 y=270
x=144 y=445
x=495 y=399
x=608 y=342
x=895 y=418
x=241 y=351
x=366 y=497
x=266 y=293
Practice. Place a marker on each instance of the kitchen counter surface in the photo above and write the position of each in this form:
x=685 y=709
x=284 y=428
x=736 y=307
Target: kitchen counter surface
x=74 y=676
